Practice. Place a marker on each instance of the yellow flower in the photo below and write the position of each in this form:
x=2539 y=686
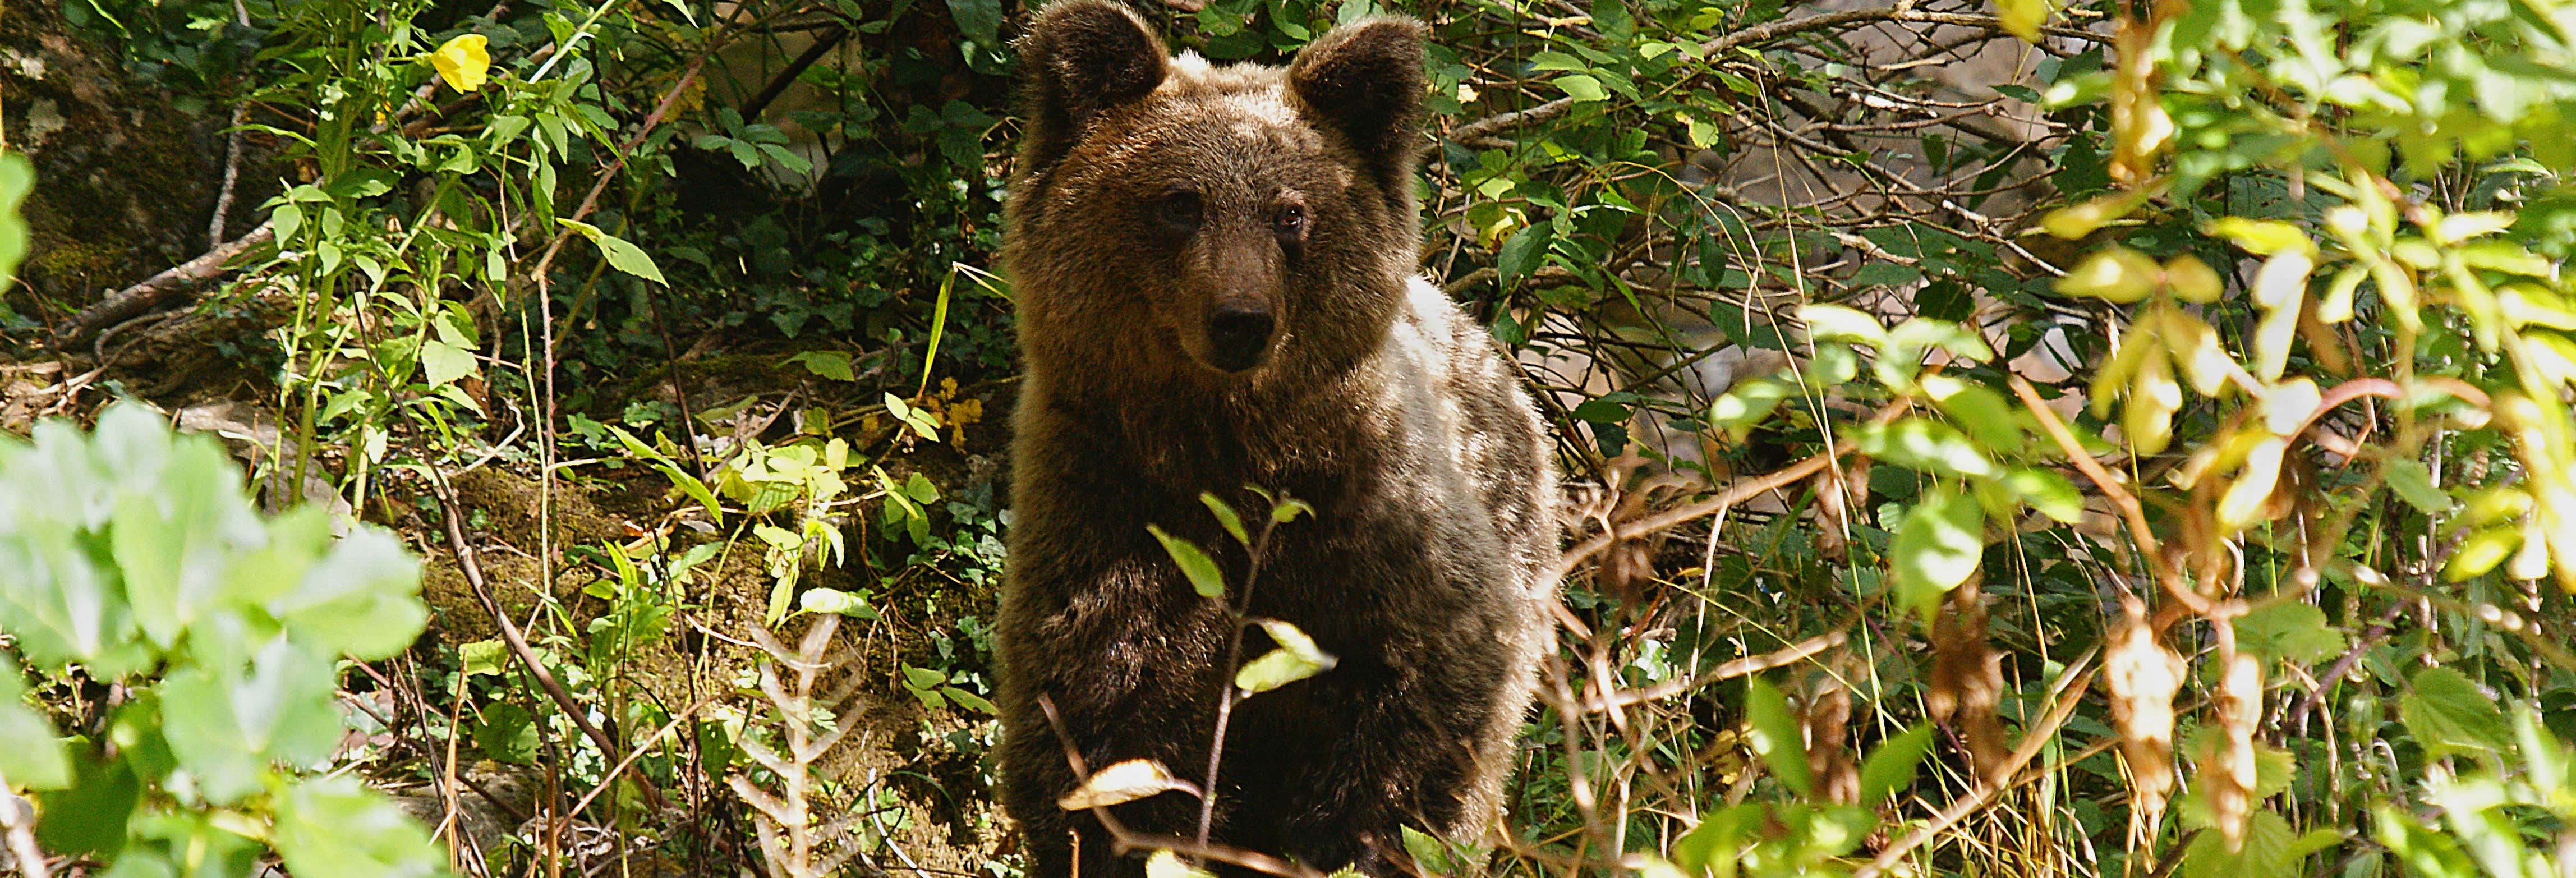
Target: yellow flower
x=462 y=62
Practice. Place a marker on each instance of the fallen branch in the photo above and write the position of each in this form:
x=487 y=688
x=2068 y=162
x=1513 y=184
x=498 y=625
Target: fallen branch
x=162 y=288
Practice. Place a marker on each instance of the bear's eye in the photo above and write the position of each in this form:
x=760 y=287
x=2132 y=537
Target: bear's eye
x=1178 y=211
x=1291 y=221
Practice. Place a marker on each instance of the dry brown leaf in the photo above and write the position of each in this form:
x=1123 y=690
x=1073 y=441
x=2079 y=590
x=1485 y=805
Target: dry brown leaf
x=2141 y=677
x=1968 y=682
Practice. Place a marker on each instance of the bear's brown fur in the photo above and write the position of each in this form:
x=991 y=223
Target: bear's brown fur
x=1215 y=271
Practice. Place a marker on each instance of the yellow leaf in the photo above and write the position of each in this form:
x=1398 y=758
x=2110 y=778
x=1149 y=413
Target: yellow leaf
x=2116 y=274
x=2148 y=417
x=2193 y=280
x=2243 y=502
x=462 y=62
x=2076 y=221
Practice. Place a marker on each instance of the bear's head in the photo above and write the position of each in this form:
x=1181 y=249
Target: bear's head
x=1176 y=221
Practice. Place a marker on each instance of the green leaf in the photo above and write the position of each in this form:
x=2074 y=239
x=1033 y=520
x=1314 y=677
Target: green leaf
x=2047 y=493
x=923 y=678
x=2270 y=850
x=334 y=826
x=1937 y=547
x=89 y=816
x=1195 y=563
x=2413 y=483
x=507 y=733
x=2447 y=713
x=1521 y=253
x=1297 y=658
x=1838 y=323
x=172 y=538
x=2292 y=632
x=1773 y=732
x=1979 y=410
x=622 y=255
x=1429 y=853
x=362 y=599
x=1924 y=445
x=1225 y=517
x=979 y=20
x=971 y=700
x=834 y=365
x=484 y=657
x=1890 y=768
x=34 y=758
x=1287 y=510
x=1583 y=89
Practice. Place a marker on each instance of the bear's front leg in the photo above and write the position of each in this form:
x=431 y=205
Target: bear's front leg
x=1121 y=686
x=1411 y=751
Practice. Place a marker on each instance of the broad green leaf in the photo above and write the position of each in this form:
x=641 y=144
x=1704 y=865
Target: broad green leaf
x=172 y=539
x=1124 y=782
x=1890 y=768
x=1582 y=88
x=1521 y=254
x=506 y=733
x=34 y=758
x=1979 y=410
x=1194 y=562
x=1773 y=731
x=2413 y=482
x=2292 y=632
x=1925 y=445
x=2047 y=493
x=1936 y=548
x=362 y=599
x=834 y=365
x=334 y=826
x=2449 y=714
x=622 y=255
x=89 y=816
x=1838 y=323
x=484 y=657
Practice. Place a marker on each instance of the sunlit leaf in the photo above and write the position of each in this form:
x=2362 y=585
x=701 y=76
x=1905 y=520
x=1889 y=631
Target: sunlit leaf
x=1195 y=563
x=1123 y=782
x=1772 y=729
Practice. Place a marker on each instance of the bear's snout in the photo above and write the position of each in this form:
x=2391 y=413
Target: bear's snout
x=1239 y=337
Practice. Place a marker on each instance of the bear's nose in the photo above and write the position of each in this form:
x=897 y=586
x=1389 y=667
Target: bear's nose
x=1238 y=337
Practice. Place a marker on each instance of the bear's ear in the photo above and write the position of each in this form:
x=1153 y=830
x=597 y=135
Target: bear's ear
x=1082 y=57
x=1365 y=80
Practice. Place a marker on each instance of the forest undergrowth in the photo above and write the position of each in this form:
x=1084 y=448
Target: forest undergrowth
x=2001 y=438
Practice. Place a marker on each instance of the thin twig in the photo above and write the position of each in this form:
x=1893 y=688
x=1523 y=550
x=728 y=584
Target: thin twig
x=518 y=643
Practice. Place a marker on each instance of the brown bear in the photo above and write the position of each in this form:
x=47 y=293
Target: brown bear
x=1216 y=281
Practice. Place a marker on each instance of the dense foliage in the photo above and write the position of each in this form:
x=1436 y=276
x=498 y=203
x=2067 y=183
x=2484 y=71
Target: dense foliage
x=2105 y=438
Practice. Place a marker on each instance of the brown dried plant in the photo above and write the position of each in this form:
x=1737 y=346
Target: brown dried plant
x=2141 y=676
